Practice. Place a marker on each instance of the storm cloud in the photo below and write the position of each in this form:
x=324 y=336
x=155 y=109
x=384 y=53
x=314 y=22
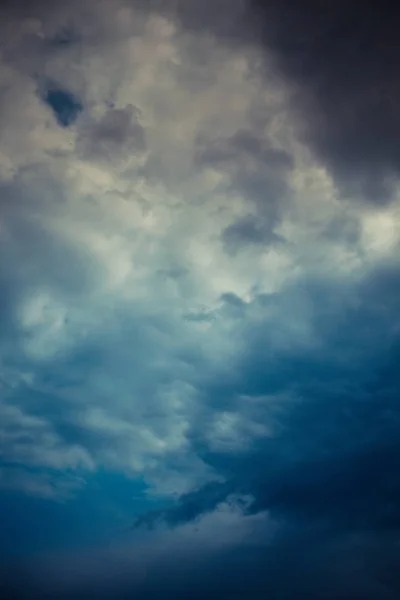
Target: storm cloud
x=200 y=281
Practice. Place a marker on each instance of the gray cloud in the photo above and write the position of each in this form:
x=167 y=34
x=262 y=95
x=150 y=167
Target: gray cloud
x=118 y=132
x=252 y=165
x=342 y=63
x=329 y=469
x=249 y=230
x=194 y=300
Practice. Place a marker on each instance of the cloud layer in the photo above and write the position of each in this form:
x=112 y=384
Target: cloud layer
x=200 y=281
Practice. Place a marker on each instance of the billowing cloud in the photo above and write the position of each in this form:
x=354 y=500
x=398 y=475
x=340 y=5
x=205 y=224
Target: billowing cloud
x=200 y=275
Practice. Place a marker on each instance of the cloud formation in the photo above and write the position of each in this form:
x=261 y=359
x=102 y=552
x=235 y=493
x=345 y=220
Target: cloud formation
x=199 y=261
x=342 y=63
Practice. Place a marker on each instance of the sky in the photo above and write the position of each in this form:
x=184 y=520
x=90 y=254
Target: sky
x=199 y=292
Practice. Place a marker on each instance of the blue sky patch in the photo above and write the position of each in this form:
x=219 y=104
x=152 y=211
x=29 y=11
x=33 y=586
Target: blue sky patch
x=65 y=106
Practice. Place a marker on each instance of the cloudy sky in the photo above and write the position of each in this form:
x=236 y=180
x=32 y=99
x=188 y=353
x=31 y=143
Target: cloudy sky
x=199 y=292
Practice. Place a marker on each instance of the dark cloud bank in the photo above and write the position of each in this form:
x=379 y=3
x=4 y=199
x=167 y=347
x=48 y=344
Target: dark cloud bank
x=330 y=474
x=342 y=61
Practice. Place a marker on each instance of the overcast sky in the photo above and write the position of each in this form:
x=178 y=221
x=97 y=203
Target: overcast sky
x=199 y=300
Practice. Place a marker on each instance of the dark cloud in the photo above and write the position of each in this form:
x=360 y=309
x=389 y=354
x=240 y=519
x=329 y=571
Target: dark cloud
x=342 y=60
x=353 y=568
x=63 y=38
x=314 y=366
x=249 y=231
x=189 y=506
x=341 y=63
x=230 y=20
x=329 y=473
